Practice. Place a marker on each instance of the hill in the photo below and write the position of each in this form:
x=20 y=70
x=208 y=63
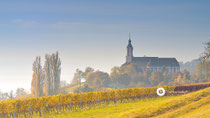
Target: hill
x=194 y=105
x=70 y=88
x=112 y=101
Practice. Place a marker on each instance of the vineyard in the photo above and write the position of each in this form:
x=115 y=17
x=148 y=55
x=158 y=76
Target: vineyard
x=75 y=102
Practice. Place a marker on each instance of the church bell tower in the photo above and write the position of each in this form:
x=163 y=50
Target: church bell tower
x=129 y=56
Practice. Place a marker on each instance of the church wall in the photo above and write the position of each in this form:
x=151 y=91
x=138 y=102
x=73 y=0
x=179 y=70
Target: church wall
x=158 y=68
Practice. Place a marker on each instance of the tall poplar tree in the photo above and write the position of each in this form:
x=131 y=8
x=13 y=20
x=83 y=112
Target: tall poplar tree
x=37 y=79
x=52 y=72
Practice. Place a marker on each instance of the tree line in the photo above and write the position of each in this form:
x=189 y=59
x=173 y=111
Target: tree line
x=46 y=80
x=19 y=93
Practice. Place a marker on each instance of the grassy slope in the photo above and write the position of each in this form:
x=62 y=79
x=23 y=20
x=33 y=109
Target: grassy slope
x=70 y=88
x=192 y=105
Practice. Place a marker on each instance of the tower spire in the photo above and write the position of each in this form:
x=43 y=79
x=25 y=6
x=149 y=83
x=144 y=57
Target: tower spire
x=129 y=56
x=129 y=38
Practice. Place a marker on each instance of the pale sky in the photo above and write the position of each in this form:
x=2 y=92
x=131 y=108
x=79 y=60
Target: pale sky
x=95 y=33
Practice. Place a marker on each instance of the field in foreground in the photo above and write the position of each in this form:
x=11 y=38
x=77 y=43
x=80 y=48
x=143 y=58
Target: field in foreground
x=193 y=105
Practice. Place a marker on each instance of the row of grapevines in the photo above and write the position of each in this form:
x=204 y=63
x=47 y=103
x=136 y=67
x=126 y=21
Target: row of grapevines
x=192 y=87
x=40 y=103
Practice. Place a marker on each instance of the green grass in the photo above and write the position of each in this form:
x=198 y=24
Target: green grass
x=112 y=110
x=201 y=112
x=193 y=105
